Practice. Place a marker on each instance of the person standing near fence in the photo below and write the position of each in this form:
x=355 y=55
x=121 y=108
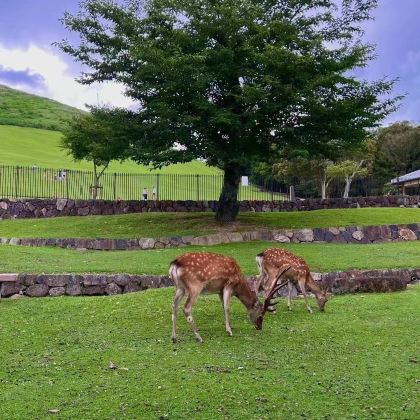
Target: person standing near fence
x=154 y=192
x=145 y=194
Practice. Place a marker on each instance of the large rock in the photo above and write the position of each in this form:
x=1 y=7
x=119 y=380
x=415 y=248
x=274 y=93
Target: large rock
x=10 y=288
x=304 y=235
x=281 y=238
x=37 y=290
x=113 y=289
x=407 y=235
x=60 y=204
x=358 y=235
x=57 y=291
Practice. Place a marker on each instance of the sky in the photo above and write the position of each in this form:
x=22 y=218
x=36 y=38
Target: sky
x=29 y=62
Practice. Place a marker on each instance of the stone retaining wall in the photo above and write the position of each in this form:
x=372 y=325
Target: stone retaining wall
x=40 y=285
x=349 y=234
x=26 y=208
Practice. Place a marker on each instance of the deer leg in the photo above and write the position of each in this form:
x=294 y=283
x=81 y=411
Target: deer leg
x=227 y=293
x=302 y=287
x=179 y=294
x=289 y=295
x=188 y=313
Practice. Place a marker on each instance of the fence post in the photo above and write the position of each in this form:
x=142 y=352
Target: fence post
x=67 y=183
x=272 y=190
x=198 y=186
x=292 y=193
x=114 y=186
x=17 y=182
x=157 y=186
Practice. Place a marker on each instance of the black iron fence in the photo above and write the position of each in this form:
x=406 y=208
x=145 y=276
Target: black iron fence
x=34 y=182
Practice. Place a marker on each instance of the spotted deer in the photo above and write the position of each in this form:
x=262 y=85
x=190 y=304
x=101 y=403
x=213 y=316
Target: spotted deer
x=197 y=272
x=271 y=263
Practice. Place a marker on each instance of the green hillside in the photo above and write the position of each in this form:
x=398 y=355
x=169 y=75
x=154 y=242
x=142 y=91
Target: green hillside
x=25 y=110
x=28 y=146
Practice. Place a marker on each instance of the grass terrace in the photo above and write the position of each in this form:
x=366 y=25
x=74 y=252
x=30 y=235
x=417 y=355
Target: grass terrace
x=182 y=224
x=320 y=257
x=57 y=352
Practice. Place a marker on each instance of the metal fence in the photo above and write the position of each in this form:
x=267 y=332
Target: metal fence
x=34 y=182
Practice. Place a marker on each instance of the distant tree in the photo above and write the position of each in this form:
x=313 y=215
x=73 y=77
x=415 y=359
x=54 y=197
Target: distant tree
x=233 y=81
x=398 y=150
x=347 y=170
x=99 y=137
x=308 y=169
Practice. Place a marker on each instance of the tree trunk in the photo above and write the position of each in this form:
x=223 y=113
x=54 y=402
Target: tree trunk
x=323 y=189
x=228 y=207
x=349 y=180
x=325 y=182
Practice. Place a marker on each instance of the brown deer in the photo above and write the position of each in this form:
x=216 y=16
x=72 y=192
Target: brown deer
x=271 y=263
x=197 y=272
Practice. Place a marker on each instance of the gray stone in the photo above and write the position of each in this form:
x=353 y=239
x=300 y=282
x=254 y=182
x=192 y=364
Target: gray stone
x=358 y=235
x=3 y=205
x=121 y=279
x=334 y=230
x=281 y=238
x=14 y=241
x=132 y=287
x=234 y=237
x=113 y=289
x=74 y=289
x=304 y=235
x=60 y=204
x=147 y=243
x=95 y=280
x=57 y=280
x=83 y=211
x=37 y=290
x=10 y=288
x=57 y=291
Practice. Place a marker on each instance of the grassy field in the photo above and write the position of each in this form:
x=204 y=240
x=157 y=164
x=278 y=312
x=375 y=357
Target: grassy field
x=178 y=224
x=28 y=146
x=25 y=110
x=358 y=360
x=320 y=257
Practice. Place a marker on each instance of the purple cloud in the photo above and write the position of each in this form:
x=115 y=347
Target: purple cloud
x=21 y=77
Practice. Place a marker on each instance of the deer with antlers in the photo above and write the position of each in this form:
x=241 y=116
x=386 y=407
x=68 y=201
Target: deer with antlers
x=271 y=263
x=197 y=272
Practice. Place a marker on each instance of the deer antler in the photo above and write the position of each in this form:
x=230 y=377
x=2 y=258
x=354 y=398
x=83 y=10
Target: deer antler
x=268 y=301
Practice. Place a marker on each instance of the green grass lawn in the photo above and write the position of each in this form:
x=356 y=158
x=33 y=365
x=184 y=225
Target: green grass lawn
x=178 y=224
x=320 y=257
x=355 y=361
x=27 y=146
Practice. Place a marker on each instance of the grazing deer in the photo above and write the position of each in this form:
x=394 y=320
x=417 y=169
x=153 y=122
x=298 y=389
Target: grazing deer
x=197 y=272
x=271 y=263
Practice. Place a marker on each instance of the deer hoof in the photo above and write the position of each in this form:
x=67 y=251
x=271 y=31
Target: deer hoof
x=199 y=339
x=174 y=340
x=230 y=334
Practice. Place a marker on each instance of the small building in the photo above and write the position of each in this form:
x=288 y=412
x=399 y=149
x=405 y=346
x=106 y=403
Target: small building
x=408 y=184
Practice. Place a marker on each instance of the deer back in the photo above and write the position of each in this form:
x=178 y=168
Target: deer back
x=207 y=270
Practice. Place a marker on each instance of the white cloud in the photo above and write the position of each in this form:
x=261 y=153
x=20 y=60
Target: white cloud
x=60 y=84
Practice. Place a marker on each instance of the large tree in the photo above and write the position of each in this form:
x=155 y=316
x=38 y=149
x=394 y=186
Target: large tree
x=232 y=81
